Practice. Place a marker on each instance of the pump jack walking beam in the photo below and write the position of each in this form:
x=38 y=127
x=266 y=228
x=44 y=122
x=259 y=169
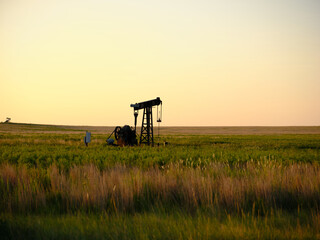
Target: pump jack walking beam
x=146 y=136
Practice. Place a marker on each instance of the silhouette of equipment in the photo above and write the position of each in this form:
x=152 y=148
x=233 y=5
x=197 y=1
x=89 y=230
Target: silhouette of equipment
x=146 y=136
x=126 y=135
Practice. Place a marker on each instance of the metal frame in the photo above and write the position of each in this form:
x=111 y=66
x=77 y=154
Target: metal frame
x=146 y=136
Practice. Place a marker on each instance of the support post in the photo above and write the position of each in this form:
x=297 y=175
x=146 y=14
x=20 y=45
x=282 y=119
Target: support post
x=146 y=136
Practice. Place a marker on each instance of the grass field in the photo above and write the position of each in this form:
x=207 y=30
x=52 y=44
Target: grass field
x=207 y=183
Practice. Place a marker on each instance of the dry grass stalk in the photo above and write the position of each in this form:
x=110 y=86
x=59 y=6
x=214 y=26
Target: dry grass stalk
x=127 y=189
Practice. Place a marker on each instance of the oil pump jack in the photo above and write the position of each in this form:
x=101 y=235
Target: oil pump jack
x=127 y=136
x=146 y=136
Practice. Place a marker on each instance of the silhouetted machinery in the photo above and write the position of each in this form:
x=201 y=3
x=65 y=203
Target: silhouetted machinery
x=126 y=135
x=146 y=136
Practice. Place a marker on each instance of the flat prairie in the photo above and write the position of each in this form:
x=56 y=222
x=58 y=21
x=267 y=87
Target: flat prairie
x=206 y=183
x=166 y=130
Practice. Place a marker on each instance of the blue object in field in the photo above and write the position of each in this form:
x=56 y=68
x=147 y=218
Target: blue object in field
x=110 y=141
x=87 y=138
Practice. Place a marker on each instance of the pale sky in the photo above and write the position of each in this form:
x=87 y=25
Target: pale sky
x=212 y=62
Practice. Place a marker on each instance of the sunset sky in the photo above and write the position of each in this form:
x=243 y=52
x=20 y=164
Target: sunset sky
x=212 y=62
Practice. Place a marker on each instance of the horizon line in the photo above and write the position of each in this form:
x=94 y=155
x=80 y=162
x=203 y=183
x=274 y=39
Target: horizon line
x=67 y=125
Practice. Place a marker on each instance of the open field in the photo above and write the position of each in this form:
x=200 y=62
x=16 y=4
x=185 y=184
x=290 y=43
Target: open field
x=208 y=183
x=36 y=128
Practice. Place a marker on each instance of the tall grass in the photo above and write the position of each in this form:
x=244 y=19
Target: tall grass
x=262 y=186
x=197 y=187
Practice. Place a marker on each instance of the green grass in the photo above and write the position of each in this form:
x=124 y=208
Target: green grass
x=197 y=187
x=176 y=225
x=43 y=150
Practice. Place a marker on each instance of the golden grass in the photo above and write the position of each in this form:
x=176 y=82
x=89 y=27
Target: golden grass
x=262 y=186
